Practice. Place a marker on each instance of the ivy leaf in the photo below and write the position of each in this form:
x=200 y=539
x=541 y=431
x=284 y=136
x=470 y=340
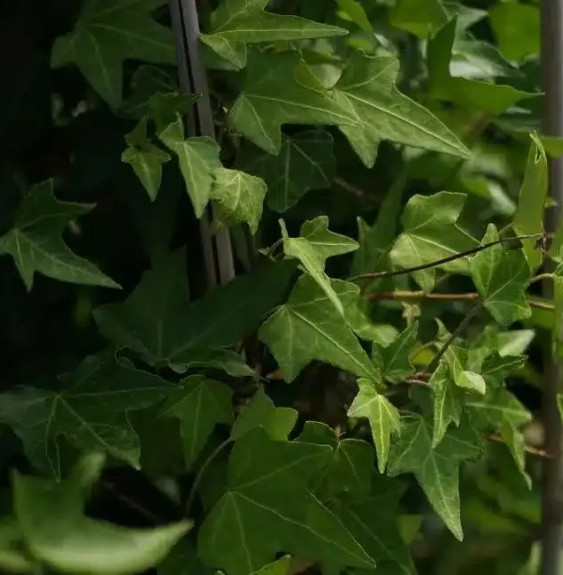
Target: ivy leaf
x=436 y=468
x=198 y=159
x=501 y=277
x=56 y=530
x=430 y=233
x=473 y=94
x=348 y=471
x=199 y=405
x=517 y=29
x=367 y=93
x=382 y=415
x=159 y=324
x=264 y=106
x=308 y=328
x=304 y=163
x=107 y=33
x=237 y=23
x=268 y=507
x=395 y=357
x=312 y=249
x=373 y=523
x=531 y=202
x=90 y=411
x=278 y=422
x=145 y=158
x=222 y=359
x=279 y=567
x=448 y=401
x=238 y=197
x=36 y=244
x=376 y=240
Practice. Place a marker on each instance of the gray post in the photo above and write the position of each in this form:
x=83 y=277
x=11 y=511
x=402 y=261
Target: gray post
x=552 y=124
x=219 y=263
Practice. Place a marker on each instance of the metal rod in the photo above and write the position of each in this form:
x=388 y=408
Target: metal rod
x=552 y=124
x=219 y=262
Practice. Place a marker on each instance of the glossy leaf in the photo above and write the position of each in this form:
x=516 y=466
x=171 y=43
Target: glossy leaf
x=382 y=415
x=309 y=328
x=237 y=23
x=90 y=410
x=107 y=33
x=36 y=245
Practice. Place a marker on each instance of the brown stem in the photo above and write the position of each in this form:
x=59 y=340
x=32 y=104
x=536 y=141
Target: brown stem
x=459 y=255
x=407 y=295
x=527 y=448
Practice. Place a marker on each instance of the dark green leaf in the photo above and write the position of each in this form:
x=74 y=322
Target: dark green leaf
x=395 y=357
x=36 y=244
x=90 y=410
x=108 y=32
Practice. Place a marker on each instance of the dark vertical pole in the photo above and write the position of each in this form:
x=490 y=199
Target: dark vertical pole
x=552 y=124
x=217 y=250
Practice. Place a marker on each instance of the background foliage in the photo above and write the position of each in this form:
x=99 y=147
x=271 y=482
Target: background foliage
x=363 y=396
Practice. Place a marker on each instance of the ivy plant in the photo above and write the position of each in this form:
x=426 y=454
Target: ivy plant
x=360 y=394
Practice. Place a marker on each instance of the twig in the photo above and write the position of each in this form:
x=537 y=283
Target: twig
x=527 y=448
x=407 y=295
x=541 y=277
x=459 y=329
x=459 y=255
x=359 y=193
x=201 y=472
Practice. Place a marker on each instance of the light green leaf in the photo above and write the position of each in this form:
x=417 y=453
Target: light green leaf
x=501 y=277
x=238 y=198
x=268 y=508
x=237 y=23
x=304 y=163
x=264 y=106
x=90 y=410
x=349 y=470
x=108 y=32
x=145 y=158
x=514 y=440
x=557 y=333
x=312 y=249
x=366 y=92
x=36 y=244
x=436 y=468
x=159 y=324
x=448 y=401
x=395 y=357
x=430 y=233
x=198 y=159
x=419 y=17
x=517 y=29
x=531 y=202
x=309 y=328
x=493 y=99
x=13 y=557
x=278 y=422
x=199 y=405
x=325 y=243
x=279 y=567
x=382 y=415
x=56 y=530
x=355 y=11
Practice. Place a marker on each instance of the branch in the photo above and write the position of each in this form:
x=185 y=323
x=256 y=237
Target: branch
x=459 y=255
x=527 y=448
x=459 y=329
